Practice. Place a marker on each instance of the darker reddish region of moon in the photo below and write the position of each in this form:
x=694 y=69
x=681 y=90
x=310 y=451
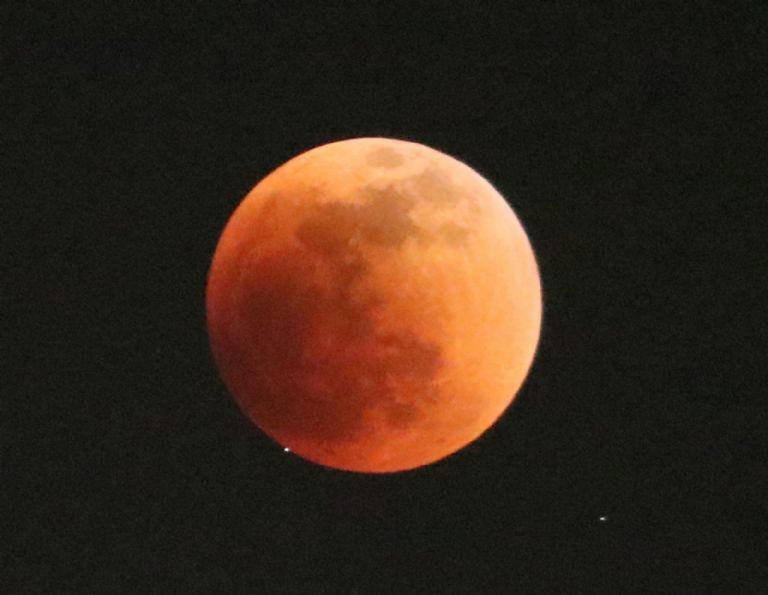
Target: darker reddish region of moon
x=317 y=357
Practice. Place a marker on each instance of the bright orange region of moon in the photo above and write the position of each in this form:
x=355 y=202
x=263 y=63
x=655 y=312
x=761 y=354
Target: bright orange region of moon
x=373 y=305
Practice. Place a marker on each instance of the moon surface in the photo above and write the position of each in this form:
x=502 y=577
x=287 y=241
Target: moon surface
x=373 y=305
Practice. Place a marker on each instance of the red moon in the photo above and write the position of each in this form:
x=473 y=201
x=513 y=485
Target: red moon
x=373 y=305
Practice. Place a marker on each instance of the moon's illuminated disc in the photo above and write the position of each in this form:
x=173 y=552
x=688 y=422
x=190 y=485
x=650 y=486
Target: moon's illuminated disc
x=373 y=305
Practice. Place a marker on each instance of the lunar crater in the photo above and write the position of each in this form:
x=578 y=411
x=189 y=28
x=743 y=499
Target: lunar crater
x=385 y=157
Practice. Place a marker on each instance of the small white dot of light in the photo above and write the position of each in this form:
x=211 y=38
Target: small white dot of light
x=286 y=449
x=603 y=518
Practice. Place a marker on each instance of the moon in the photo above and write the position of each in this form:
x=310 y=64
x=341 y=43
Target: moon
x=373 y=305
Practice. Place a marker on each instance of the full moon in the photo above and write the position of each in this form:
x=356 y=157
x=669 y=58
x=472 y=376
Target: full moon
x=373 y=305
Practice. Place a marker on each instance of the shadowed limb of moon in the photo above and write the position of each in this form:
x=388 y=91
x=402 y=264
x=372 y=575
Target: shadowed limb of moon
x=373 y=305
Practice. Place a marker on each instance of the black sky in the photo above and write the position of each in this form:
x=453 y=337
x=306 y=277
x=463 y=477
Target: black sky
x=632 y=145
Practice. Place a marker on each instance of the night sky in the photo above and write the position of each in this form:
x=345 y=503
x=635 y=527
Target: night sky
x=631 y=144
